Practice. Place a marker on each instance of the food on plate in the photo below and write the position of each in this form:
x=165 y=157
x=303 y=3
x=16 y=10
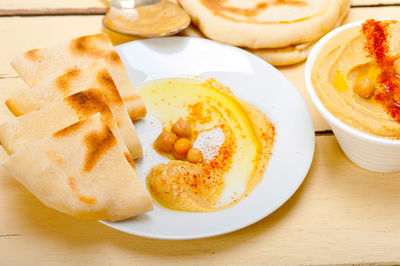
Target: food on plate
x=22 y=131
x=95 y=75
x=165 y=141
x=38 y=66
x=160 y=19
x=281 y=32
x=182 y=128
x=226 y=154
x=181 y=148
x=356 y=76
x=194 y=155
x=81 y=171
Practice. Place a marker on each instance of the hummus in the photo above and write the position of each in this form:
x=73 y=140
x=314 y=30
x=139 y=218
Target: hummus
x=364 y=53
x=236 y=140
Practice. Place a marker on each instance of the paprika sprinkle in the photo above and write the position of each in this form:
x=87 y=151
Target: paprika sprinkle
x=388 y=83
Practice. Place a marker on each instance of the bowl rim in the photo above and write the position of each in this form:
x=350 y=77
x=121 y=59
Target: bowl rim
x=318 y=103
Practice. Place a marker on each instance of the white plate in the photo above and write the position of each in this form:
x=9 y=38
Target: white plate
x=255 y=82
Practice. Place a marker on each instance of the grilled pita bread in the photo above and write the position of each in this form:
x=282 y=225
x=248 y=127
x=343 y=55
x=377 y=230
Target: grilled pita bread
x=94 y=75
x=81 y=171
x=22 y=131
x=38 y=66
x=276 y=56
x=265 y=24
x=284 y=56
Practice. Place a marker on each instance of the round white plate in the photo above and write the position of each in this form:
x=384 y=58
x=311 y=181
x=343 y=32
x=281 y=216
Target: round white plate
x=255 y=82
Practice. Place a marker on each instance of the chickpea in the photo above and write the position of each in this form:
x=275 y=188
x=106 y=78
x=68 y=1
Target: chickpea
x=165 y=141
x=396 y=65
x=194 y=156
x=182 y=146
x=364 y=87
x=182 y=128
x=179 y=156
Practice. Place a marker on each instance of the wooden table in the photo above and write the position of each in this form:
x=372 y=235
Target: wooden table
x=342 y=214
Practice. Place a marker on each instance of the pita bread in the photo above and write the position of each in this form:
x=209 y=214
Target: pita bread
x=22 y=131
x=289 y=55
x=284 y=56
x=38 y=66
x=265 y=24
x=275 y=56
x=81 y=171
x=94 y=75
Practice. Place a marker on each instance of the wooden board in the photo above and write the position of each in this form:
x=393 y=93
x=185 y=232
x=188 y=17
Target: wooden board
x=341 y=214
x=47 y=7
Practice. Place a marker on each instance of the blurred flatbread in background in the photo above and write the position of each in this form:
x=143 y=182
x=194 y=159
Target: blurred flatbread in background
x=39 y=65
x=94 y=75
x=279 y=56
x=284 y=56
x=81 y=172
x=276 y=56
x=265 y=24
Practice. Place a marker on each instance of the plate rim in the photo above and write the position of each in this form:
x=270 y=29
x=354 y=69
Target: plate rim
x=262 y=215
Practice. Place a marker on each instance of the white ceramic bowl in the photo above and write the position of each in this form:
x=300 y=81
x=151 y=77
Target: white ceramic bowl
x=371 y=152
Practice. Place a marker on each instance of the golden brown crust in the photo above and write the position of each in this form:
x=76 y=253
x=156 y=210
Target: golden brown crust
x=130 y=160
x=13 y=107
x=105 y=80
x=97 y=144
x=63 y=82
x=87 y=45
x=219 y=6
x=70 y=129
x=87 y=102
x=33 y=55
x=113 y=58
x=74 y=188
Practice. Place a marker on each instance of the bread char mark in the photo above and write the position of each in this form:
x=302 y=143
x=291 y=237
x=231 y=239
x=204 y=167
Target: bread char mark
x=218 y=6
x=97 y=47
x=63 y=82
x=12 y=105
x=113 y=58
x=70 y=129
x=87 y=102
x=92 y=45
x=97 y=144
x=72 y=185
x=130 y=160
x=33 y=55
x=109 y=88
x=55 y=157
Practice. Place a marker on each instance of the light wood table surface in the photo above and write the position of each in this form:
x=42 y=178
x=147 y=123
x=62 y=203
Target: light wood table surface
x=341 y=214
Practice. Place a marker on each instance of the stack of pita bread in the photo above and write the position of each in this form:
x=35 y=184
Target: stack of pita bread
x=73 y=142
x=282 y=32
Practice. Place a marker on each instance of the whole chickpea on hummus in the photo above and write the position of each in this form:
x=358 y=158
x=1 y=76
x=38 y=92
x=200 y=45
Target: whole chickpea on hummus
x=218 y=145
x=357 y=77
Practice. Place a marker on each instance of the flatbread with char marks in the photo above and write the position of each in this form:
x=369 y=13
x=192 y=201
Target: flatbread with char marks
x=94 y=75
x=81 y=171
x=38 y=66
